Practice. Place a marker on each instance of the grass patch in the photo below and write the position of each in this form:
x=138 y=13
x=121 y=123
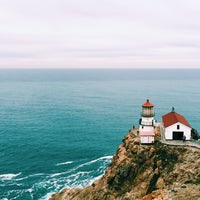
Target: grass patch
x=197 y=181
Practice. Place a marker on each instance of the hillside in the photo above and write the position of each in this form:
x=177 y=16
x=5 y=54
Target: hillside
x=144 y=172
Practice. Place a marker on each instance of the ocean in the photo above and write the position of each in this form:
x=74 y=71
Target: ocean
x=60 y=127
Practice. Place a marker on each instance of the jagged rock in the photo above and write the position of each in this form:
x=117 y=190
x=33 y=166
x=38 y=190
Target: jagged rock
x=159 y=163
x=144 y=172
x=156 y=171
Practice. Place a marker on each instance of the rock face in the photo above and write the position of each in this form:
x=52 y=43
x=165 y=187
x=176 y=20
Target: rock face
x=144 y=172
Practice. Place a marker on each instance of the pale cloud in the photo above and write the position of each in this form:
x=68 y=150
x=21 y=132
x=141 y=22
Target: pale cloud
x=93 y=33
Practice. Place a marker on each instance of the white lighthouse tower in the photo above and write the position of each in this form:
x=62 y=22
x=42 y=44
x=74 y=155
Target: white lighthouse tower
x=147 y=122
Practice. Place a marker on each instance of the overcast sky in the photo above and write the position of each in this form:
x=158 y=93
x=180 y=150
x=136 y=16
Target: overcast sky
x=100 y=34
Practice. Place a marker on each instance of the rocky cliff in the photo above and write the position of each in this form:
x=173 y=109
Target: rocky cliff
x=144 y=172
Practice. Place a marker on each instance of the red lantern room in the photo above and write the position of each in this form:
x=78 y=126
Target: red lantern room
x=147 y=109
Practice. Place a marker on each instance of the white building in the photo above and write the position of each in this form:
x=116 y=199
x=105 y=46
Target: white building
x=175 y=126
x=146 y=128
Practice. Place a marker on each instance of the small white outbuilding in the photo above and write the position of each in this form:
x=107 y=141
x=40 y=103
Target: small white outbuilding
x=176 y=127
x=147 y=137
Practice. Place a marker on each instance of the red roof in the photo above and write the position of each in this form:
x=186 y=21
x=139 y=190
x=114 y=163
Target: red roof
x=147 y=104
x=172 y=118
x=147 y=133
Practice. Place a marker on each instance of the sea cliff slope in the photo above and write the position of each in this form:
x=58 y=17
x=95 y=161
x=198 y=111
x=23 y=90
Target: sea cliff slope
x=144 y=172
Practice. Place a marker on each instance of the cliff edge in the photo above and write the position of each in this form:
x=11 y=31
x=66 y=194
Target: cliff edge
x=144 y=172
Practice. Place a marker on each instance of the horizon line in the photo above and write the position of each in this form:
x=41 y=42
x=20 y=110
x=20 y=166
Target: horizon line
x=86 y=68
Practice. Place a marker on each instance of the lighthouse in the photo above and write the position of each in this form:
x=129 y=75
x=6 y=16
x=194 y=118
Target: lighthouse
x=147 y=122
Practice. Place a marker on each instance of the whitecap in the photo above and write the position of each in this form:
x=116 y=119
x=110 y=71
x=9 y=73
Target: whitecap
x=64 y=163
x=57 y=174
x=94 y=179
x=8 y=176
x=30 y=190
x=75 y=182
x=38 y=174
x=32 y=175
x=81 y=178
x=77 y=175
x=47 y=196
x=104 y=158
x=98 y=159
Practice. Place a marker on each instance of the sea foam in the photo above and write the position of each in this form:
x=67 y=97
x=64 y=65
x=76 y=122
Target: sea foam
x=8 y=176
x=64 y=163
x=107 y=158
x=47 y=196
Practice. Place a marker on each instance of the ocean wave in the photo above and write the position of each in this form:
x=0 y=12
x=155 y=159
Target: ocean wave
x=81 y=174
x=104 y=158
x=47 y=196
x=101 y=158
x=58 y=174
x=38 y=174
x=81 y=180
x=75 y=180
x=26 y=177
x=94 y=179
x=8 y=176
x=107 y=158
x=30 y=191
x=77 y=175
x=81 y=177
x=64 y=163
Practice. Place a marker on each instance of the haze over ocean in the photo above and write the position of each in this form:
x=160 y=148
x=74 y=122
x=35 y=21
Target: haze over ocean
x=60 y=127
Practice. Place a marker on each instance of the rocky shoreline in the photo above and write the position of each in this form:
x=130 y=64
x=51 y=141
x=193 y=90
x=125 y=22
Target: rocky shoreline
x=144 y=172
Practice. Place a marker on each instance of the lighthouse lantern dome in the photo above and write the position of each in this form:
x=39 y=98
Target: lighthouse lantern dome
x=147 y=109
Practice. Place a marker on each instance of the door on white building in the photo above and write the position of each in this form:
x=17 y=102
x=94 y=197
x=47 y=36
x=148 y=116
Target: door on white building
x=177 y=135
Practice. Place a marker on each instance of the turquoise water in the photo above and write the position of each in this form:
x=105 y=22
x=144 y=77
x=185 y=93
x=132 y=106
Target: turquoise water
x=60 y=128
